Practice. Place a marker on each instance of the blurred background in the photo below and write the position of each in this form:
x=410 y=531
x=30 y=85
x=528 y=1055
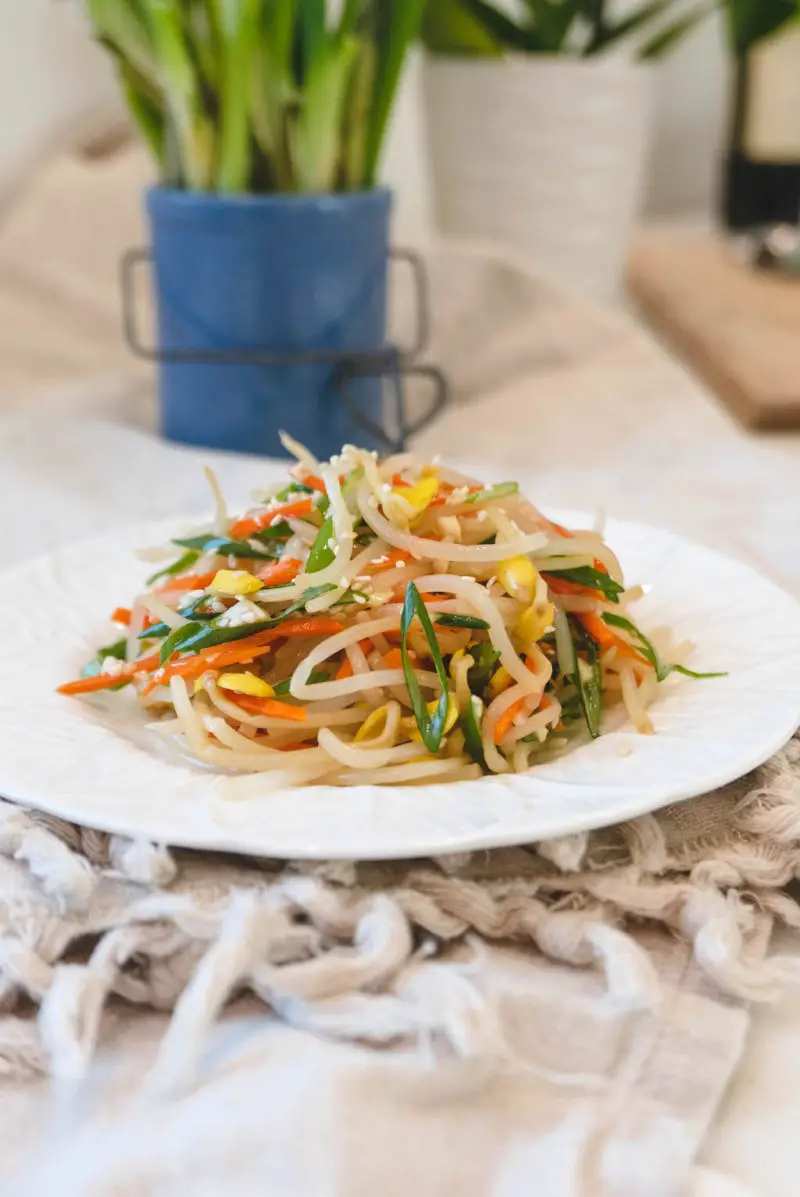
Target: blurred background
x=555 y=164
x=55 y=84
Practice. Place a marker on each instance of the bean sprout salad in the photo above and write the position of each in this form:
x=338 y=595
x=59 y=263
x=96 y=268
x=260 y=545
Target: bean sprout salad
x=382 y=622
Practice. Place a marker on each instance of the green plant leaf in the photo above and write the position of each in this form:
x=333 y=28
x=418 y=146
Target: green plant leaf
x=667 y=39
x=181 y=86
x=203 y=39
x=353 y=12
x=635 y=21
x=318 y=130
x=118 y=23
x=396 y=28
x=553 y=20
x=448 y=27
x=356 y=117
x=313 y=34
x=750 y=21
x=522 y=38
x=237 y=22
x=431 y=728
x=274 y=91
x=147 y=113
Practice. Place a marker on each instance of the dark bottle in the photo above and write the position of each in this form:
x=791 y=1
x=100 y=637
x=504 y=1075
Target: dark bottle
x=762 y=171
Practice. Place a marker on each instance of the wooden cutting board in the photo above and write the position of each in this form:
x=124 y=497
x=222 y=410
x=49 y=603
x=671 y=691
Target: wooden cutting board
x=738 y=328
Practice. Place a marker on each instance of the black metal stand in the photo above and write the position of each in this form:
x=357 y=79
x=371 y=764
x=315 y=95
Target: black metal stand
x=391 y=364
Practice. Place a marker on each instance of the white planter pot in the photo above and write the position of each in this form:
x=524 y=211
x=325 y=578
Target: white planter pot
x=544 y=154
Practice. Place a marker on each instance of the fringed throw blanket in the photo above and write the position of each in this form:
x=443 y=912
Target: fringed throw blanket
x=570 y=1012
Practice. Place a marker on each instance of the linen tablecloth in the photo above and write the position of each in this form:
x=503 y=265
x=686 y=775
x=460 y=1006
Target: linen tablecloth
x=587 y=411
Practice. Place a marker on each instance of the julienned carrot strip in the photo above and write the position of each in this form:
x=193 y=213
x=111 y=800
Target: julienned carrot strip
x=312 y=480
x=393 y=558
x=394 y=658
x=602 y=634
x=346 y=669
x=256 y=523
x=241 y=652
x=282 y=572
x=238 y=652
x=564 y=586
x=506 y=720
x=106 y=681
x=559 y=528
x=272 y=708
x=124 y=615
x=218 y=657
x=190 y=582
x=87 y=685
x=313 y=625
x=445 y=491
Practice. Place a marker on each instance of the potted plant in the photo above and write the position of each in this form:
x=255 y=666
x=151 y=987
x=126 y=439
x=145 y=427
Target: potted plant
x=539 y=126
x=266 y=119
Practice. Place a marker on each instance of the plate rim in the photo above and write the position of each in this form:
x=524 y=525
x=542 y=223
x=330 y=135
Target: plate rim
x=572 y=821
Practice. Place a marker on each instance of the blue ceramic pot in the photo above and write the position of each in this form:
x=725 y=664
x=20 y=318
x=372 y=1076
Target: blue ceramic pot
x=277 y=274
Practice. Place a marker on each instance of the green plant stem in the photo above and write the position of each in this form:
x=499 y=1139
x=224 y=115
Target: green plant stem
x=750 y=21
x=241 y=95
x=667 y=39
x=237 y=22
x=397 y=26
x=317 y=139
x=192 y=128
x=147 y=114
x=118 y=24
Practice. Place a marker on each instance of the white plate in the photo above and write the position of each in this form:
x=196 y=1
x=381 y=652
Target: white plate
x=93 y=761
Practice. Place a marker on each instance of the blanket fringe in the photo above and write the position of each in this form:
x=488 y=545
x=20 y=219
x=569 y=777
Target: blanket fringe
x=353 y=953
